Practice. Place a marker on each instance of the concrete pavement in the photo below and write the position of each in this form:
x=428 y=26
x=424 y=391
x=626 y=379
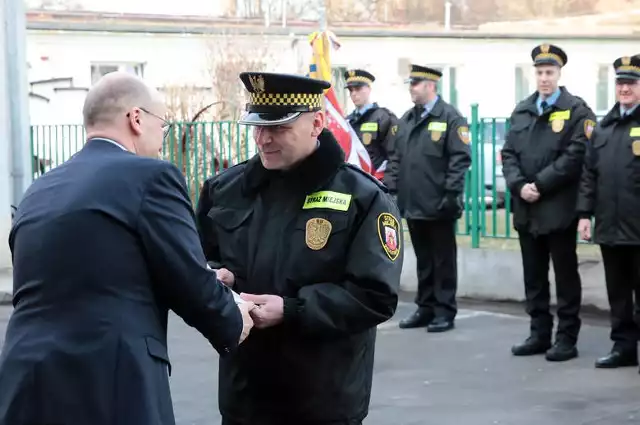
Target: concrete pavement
x=463 y=377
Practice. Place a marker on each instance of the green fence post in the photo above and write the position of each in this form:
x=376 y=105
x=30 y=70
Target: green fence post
x=475 y=167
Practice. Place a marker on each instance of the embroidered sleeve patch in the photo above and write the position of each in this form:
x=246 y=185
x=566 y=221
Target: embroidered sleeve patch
x=463 y=132
x=394 y=130
x=589 y=125
x=389 y=233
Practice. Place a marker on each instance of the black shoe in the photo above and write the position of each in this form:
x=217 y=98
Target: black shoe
x=440 y=325
x=419 y=319
x=531 y=346
x=561 y=352
x=618 y=358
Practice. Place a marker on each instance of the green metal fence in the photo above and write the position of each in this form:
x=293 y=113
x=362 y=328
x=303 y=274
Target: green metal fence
x=202 y=149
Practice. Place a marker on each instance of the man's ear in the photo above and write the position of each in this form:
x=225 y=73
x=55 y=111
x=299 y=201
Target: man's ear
x=134 y=120
x=318 y=123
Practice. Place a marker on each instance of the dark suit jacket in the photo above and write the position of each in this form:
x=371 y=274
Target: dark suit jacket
x=103 y=246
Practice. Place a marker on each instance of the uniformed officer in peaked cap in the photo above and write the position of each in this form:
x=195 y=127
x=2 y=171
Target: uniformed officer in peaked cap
x=542 y=161
x=375 y=126
x=317 y=244
x=427 y=173
x=609 y=193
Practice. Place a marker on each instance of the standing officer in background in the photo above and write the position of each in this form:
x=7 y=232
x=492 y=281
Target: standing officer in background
x=427 y=172
x=542 y=160
x=610 y=192
x=316 y=244
x=103 y=246
x=375 y=126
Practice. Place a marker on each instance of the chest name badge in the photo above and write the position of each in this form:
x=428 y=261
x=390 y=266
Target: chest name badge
x=437 y=128
x=317 y=233
x=369 y=126
x=557 y=120
x=327 y=199
x=635 y=147
x=389 y=233
x=634 y=132
x=367 y=129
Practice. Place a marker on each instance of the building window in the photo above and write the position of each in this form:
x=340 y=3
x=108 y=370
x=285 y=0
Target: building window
x=602 y=89
x=523 y=82
x=340 y=85
x=453 y=91
x=99 y=70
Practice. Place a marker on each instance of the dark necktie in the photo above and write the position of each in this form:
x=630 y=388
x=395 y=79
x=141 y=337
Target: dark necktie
x=544 y=105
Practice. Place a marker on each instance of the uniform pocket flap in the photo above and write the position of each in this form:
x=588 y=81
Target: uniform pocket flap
x=158 y=350
x=229 y=218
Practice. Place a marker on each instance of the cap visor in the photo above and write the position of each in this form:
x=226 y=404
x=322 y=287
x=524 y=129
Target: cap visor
x=268 y=119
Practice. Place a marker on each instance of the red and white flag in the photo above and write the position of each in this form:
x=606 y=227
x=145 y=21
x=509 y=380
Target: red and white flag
x=320 y=67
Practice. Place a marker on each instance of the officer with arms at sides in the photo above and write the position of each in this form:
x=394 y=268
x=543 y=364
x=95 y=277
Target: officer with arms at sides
x=316 y=244
x=103 y=246
x=375 y=126
x=427 y=173
x=542 y=161
x=610 y=193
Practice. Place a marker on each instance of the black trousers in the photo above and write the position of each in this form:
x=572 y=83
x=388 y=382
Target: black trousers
x=622 y=275
x=536 y=251
x=434 y=243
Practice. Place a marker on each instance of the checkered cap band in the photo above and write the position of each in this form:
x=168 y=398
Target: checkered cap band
x=427 y=75
x=359 y=79
x=553 y=56
x=312 y=101
x=628 y=68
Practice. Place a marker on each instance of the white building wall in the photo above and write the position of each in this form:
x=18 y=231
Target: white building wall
x=485 y=67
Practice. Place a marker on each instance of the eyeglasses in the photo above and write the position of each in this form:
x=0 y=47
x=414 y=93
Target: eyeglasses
x=166 y=126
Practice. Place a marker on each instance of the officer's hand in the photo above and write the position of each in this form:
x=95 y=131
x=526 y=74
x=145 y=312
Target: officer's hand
x=529 y=193
x=269 y=309
x=584 y=229
x=226 y=277
x=247 y=321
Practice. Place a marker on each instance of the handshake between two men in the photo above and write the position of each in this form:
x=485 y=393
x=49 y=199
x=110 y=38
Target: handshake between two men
x=261 y=311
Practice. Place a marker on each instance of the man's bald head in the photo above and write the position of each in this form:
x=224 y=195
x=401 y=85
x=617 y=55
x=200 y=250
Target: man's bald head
x=123 y=108
x=113 y=95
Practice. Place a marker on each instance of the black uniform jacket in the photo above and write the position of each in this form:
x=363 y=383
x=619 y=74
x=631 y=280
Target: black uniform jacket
x=376 y=128
x=327 y=238
x=610 y=186
x=430 y=161
x=547 y=150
